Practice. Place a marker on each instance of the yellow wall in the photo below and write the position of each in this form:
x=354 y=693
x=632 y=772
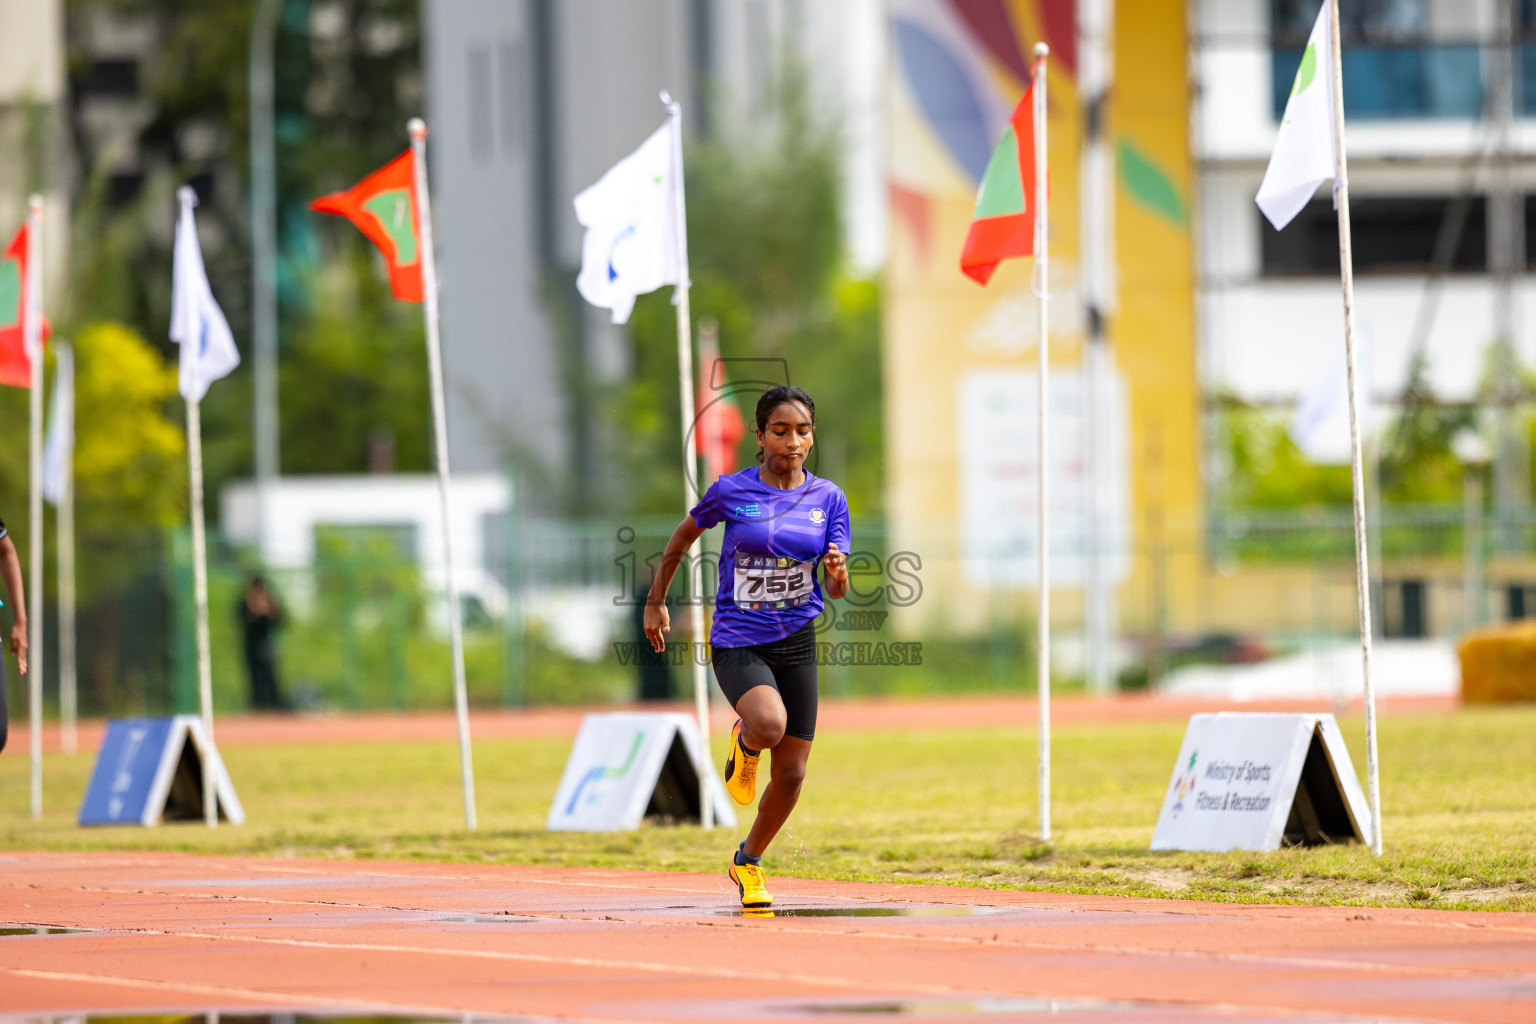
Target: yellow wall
x=1153 y=330
x=937 y=320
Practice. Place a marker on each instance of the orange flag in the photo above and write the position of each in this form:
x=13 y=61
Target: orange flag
x=718 y=426
x=15 y=367
x=383 y=206
x=1003 y=225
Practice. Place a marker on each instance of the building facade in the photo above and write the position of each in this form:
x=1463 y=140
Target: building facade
x=530 y=101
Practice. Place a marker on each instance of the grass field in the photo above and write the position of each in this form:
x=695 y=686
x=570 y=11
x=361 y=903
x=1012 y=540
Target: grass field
x=953 y=807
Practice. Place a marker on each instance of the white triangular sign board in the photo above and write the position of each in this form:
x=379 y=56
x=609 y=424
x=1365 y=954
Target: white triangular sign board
x=150 y=770
x=627 y=765
x=1250 y=781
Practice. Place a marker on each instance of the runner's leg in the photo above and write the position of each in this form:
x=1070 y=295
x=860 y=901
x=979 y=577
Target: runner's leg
x=762 y=713
x=786 y=775
x=794 y=677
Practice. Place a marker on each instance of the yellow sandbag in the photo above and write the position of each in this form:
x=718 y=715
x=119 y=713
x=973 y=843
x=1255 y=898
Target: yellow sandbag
x=1498 y=665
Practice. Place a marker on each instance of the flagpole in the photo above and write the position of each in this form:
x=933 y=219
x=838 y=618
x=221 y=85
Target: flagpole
x=698 y=641
x=417 y=128
x=1362 y=570
x=68 y=708
x=263 y=262
x=200 y=596
x=1096 y=20
x=188 y=199
x=32 y=343
x=1043 y=269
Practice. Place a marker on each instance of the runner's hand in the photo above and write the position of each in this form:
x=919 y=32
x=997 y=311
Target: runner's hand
x=657 y=622
x=19 y=646
x=836 y=563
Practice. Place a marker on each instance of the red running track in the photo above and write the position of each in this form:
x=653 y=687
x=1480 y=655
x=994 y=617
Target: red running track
x=174 y=933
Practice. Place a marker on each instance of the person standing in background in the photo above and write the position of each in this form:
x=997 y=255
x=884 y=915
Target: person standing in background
x=260 y=617
x=653 y=671
x=10 y=573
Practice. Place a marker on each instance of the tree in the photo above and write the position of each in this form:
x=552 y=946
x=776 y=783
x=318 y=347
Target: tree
x=765 y=244
x=347 y=78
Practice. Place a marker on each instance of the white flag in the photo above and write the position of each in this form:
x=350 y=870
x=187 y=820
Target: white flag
x=1308 y=141
x=197 y=324
x=631 y=246
x=59 y=442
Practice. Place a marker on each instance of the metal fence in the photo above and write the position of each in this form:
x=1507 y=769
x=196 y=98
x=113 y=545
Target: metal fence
x=558 y=620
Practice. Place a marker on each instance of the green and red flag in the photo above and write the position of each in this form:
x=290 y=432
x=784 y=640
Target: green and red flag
x=383 y=206
x=15 y=366
x=1003 y=225
x=718 y=426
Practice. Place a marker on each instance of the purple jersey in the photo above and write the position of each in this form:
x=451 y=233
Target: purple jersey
x=768 y=560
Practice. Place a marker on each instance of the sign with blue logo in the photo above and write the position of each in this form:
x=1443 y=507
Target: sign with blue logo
x=1252 y=780
x=151 y=769
x=627 y=765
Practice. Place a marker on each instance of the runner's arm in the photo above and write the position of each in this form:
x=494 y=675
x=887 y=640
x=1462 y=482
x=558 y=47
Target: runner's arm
x=10 y=573
x=835 y=570
x=657 y=620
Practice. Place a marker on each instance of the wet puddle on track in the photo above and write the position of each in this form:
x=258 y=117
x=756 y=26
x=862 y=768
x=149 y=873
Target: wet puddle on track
x=9 y=930
x=867 y=912
x=993 y=1007
x=484 y=919
x=987 y=1007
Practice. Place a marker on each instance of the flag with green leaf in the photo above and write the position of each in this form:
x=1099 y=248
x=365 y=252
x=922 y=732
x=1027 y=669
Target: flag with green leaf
x=1003 y=224
x=383 y=206
x=1307 y=141
x=15 y=366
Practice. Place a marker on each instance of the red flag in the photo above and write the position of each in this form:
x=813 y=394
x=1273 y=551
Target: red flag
x=1003 y=225
x=15 y=367
x=383 y=206
x=718 y=427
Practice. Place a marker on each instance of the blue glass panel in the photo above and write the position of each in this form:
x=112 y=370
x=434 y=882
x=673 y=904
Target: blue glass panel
x=1389 y=82
x=1528 y=79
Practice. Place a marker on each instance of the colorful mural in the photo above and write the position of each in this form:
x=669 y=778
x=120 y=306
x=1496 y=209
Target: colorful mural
x=958 y=67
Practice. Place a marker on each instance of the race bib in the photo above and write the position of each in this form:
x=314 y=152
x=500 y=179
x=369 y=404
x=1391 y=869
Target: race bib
x=764 y=583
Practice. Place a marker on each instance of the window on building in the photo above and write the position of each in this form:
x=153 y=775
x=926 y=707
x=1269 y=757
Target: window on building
x=112 y=77
x=1359 y=20
x=123 y=187
x=1390 y=235
x=481 y=127
x=202 y=184
x=1393 y=68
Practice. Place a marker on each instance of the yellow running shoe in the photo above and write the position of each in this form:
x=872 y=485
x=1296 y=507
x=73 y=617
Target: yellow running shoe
x=751 y=882
x=741 y=769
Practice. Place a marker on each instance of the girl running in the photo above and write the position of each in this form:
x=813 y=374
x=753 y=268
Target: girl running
x=10 y=574
x=780 y=520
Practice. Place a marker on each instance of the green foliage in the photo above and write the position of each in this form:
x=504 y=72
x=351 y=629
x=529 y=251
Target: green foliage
x=357 y=365
x=130 y=455
x=1418 y=464
x=766 y=254
x=347 y=79
x=1269 y=471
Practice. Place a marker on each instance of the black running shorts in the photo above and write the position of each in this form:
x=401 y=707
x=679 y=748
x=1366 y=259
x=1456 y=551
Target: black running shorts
x=787 y=665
